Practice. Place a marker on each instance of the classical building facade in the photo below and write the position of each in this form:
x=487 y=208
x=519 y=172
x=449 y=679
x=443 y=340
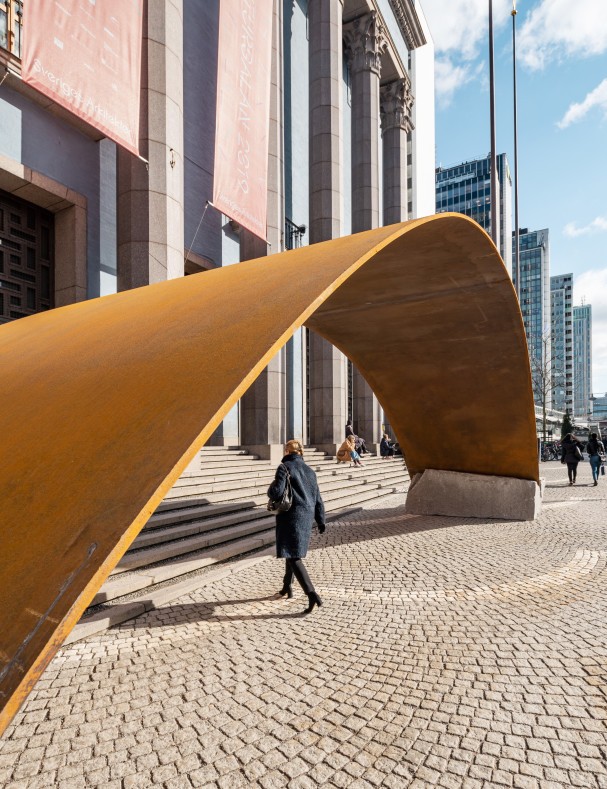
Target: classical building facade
x=351 y=147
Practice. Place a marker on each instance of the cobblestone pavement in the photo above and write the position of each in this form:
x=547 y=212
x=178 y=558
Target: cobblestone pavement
x=448 y=652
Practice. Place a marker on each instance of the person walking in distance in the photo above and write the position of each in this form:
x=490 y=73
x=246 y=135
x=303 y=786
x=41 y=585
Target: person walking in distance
x=294 y=527
x=572 y=454
x=596 y=455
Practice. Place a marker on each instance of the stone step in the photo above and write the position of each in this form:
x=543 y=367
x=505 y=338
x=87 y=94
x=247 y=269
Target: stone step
x=198 y=512
x=127 y=583
x=257 y=492
x=227 y=472
x=186 y=504
x=144 y=556
x=262 y=479
x=176 y=530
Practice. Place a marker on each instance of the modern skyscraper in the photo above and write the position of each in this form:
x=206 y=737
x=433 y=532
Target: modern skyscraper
x=466 y=189
x=534 y=250
x=582 y=355
x=561 y=327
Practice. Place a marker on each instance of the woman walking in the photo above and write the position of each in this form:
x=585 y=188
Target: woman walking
x=572 y=454
x=294 y=527
x=596 y=455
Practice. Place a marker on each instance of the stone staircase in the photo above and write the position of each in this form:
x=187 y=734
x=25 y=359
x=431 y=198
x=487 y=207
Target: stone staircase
x=214 y=522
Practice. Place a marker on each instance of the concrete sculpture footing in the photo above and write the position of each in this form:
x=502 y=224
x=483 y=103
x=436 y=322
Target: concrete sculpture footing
x=473 y=496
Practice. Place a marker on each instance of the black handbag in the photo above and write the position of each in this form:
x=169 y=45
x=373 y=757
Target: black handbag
x=283 y=504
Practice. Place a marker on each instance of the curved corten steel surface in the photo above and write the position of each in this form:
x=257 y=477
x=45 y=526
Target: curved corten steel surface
x=105 y=402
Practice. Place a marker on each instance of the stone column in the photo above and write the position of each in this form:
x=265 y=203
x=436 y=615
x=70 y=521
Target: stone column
x=263 y=406
x=327 y=384
x=365 y=42
x=396 y=102
x=150 y=197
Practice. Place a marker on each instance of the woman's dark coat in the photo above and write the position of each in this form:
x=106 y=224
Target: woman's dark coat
x=385 y=448
x=569 y=455
x=294 y=527
x=595 y=447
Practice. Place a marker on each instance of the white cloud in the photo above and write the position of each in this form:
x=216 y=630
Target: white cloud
x=596 y=98
x=598 y=225
x=591 y=286
x=558 y=29
x=448 y=78
x=460 y=26
x=459 y=32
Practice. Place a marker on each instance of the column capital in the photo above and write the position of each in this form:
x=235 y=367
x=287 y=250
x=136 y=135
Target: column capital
x=396 y=102
x=365 y=42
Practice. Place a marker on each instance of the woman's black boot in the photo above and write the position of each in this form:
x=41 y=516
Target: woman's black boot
x=287 y=581
x=313 y=599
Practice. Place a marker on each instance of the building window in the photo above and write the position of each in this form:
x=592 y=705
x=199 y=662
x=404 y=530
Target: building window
x=11 y=25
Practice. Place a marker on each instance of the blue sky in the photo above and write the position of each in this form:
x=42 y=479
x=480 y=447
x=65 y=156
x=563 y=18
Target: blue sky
x=562 y=123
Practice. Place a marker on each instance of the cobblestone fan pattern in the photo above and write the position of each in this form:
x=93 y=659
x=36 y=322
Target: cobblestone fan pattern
x=447 y=653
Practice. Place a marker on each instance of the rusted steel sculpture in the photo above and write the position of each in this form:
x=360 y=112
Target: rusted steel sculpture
x=105 y=402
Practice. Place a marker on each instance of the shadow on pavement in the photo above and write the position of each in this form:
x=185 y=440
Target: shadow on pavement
x=184 y=613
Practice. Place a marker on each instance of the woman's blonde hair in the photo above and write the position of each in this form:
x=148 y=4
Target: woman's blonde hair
x=294 y=447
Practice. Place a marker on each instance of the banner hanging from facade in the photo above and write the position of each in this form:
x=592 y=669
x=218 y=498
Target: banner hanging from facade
x=243 y=112
x=86 y=56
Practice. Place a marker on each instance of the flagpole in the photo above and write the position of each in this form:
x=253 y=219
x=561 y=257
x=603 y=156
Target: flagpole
x=494 y=231
x=517 y=256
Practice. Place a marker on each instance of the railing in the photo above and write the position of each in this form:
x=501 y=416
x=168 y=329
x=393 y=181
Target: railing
x=293 y=234
x=11 y=25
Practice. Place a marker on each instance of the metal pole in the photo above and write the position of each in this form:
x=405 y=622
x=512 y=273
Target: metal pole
x=517 y=251
x=494 y=231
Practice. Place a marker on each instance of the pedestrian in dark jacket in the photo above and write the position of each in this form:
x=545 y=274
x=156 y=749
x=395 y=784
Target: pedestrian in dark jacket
x=294 y=527
x=596 y=451
x=386 y=447
x=572 y=454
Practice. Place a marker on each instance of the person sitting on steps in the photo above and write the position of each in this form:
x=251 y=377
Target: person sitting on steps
x=386 y=447
x=360 y=445
x=347 y=452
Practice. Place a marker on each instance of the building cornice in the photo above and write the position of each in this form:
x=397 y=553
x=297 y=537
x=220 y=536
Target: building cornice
x=408 y=22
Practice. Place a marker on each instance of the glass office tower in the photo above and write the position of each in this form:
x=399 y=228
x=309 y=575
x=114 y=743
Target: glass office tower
x=561 y=327
x=466 y=189
x=534 y=250
x=582 y=354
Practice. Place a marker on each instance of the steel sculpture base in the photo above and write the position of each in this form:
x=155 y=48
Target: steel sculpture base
x=105 y=402
x=473 y=496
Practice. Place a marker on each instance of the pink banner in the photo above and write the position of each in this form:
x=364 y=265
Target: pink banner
x=86 y=56
x=243 y=112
